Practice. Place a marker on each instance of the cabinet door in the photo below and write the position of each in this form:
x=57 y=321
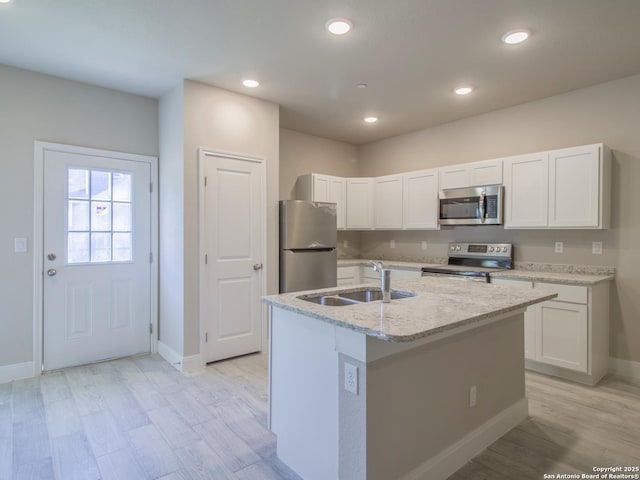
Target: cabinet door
x=574 y=187
x=388 y=202
x=360 y=203
x=455 y=176
x=526 y=190
x=530 y=317
x=420 y=200
x=338 y=195
x=321 y=188
x=488 y=172
x=562 y=336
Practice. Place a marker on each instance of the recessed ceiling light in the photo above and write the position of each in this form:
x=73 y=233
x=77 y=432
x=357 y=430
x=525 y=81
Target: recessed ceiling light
x=5 y=1
x=370 y=119
x=514 y=37
x=251 y=83
x=463 y=90
x=362 y=85
x=339 y=26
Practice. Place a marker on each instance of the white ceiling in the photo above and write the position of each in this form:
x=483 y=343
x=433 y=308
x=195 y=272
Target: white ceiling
x=411 y=53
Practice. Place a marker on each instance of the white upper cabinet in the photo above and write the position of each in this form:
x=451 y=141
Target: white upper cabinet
x=526 y=190
x=487 y=172
x=420 y=200
x=388 y=202
x=567 y=188
x=577 y=180
x=316 y=187
x=360 y=203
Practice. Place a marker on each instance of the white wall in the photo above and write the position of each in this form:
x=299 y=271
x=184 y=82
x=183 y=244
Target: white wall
x=608 y=113
x=171 y=231
x=40 y=107
x=218 y=120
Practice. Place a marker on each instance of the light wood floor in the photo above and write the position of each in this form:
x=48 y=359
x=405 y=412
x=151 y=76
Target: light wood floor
x=138 y=418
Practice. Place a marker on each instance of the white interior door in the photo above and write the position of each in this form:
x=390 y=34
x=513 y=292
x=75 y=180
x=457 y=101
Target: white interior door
x=233 y=215
x=97 y=258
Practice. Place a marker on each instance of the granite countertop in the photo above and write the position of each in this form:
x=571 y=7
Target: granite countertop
x=535 y=272
x=440 y=304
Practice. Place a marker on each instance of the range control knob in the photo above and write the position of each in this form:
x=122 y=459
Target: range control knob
x=453 y=248
x=504 y=249
x=491 y=249
x=457 y=248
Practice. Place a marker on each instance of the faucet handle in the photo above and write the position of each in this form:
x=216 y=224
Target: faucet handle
x=377 y=266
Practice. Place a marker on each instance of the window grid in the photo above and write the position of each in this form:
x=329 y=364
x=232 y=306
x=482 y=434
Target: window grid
x=89 y=193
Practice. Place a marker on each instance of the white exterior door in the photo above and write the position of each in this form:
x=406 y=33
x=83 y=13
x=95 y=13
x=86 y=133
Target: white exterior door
x=97 y=258
x=233 y=215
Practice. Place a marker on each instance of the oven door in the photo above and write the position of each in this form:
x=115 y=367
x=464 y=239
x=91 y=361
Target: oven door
x=471 y=206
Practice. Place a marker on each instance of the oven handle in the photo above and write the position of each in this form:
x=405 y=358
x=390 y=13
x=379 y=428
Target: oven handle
x=482 y=206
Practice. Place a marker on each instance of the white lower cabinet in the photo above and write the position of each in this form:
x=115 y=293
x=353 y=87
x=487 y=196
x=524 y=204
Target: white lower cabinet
x=570 y=332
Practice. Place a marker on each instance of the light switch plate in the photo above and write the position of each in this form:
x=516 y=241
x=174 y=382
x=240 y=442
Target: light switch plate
x=424 y=244
x=345 y=244
x=596 y=248
x=392 y=244
x=559 y=247
x=20 y=245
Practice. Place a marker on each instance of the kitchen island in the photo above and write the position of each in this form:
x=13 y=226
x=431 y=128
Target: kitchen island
x=410 y=389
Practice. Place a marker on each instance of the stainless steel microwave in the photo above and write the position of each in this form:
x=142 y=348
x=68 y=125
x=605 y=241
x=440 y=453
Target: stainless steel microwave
x=472 y=206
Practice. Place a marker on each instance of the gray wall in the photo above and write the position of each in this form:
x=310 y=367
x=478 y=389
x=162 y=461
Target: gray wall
x=218 y=120
x=40 y=107
x=608 y=113
x=301 y=153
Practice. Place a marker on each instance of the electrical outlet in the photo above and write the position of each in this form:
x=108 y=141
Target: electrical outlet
x=424 y=244
x=559 y=247
x=351 y=378
x=392 y=244
x=473 y=396
x=345 y=244
x=596 y=248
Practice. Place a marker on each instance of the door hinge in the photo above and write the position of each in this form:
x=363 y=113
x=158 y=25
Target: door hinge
x=205 y=181
x=151 y=187
x=151 y=328
x=206 y=259
x=150 y=257
x=206 y=337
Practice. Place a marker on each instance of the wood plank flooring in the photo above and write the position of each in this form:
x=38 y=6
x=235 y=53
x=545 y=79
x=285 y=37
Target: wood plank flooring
x=138 y=418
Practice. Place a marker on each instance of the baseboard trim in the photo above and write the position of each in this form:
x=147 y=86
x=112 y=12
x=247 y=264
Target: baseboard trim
x=16 y=371
x=180 y=363
x=624 y=368
x=452 y=458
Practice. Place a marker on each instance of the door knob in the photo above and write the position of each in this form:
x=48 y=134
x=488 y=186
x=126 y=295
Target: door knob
x=51 y=272
x=51 y=256
x=257 y=266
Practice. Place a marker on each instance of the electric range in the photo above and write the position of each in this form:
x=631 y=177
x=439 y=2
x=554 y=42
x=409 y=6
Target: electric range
x=473 y=261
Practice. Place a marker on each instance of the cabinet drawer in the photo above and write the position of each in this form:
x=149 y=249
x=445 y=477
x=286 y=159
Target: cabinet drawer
x=566 y=293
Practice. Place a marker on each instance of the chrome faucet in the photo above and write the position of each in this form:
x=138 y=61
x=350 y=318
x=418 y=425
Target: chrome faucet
x=385 y=281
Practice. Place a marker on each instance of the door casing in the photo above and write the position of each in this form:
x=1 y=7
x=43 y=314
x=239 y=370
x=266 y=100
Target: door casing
x=38 y=237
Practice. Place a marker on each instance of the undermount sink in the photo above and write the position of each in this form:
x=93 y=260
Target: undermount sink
x=353 y=298
x=329 y=300
x=373 y=294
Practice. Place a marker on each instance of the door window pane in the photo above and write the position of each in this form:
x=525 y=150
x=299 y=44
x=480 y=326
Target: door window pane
x=100 y=247
x=78 y=215
x=100 y=185
x=78 y=247
x=121 y=217
x=100 y=216
x=91 y=224
x=78 y=183
x=122 y=247
x=121 y=187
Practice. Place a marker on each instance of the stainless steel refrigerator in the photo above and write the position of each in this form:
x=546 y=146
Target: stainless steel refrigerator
x=308 y=238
